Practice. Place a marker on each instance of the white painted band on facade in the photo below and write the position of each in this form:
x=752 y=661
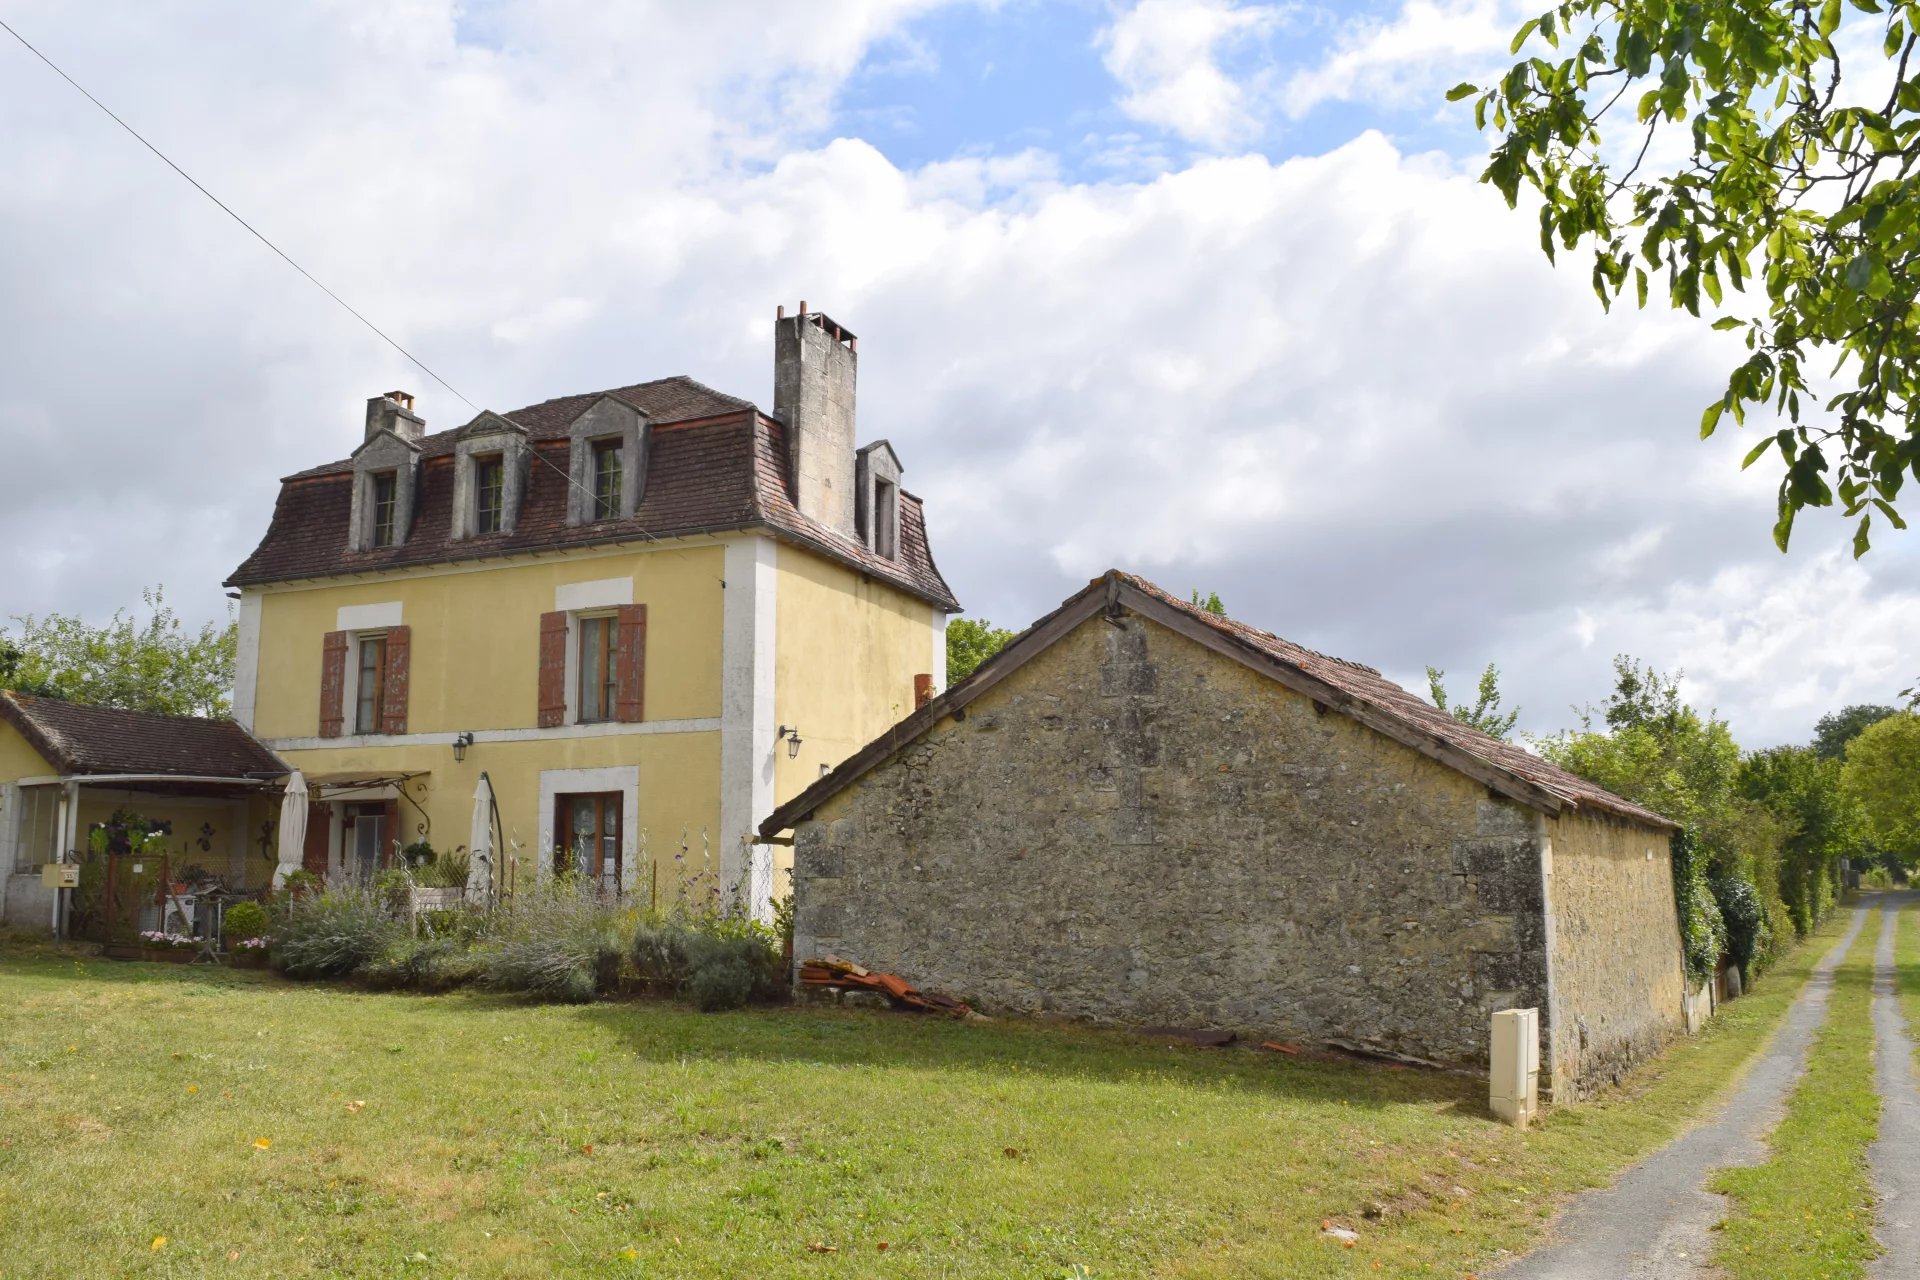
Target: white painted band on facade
x=601 y=593
x=368 y=617
x=482 y=736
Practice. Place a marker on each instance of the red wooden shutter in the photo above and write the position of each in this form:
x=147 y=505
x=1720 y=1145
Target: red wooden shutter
x=333 y=683
x=630 y=675
x=553 y=670
x=319 y=833
x=393 y=700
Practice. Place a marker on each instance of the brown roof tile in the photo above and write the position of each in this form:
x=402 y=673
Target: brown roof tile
x=1350 y=687
x=80 y=739
x=715 y=464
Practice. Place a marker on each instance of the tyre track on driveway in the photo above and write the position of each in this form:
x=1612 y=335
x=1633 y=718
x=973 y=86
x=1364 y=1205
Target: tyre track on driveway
x=1894 y=1156
x=1656 y=1221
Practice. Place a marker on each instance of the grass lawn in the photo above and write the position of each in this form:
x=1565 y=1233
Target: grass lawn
x=1808 y=1210
x=174 y=1121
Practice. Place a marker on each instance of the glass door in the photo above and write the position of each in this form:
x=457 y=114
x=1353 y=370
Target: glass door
x=587 y=839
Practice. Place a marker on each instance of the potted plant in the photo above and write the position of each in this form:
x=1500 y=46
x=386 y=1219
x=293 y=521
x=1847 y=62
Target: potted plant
x=167 y=948
x=244 y=931
x=248 y=953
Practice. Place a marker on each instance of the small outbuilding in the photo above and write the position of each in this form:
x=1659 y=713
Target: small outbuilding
x=1143 y=814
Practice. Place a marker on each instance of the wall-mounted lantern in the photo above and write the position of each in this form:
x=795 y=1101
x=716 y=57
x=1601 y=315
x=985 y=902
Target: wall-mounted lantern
x=792 y=735
x=460 y=745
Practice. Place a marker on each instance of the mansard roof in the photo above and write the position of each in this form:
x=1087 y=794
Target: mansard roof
x=716 y=464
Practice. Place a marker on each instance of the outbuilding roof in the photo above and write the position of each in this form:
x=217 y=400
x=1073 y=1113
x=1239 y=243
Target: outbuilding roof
x=79 y=740
x=715 y=464
x=1336 y=684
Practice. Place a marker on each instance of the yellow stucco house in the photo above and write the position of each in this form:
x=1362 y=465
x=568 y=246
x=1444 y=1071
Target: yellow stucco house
x=648 y=615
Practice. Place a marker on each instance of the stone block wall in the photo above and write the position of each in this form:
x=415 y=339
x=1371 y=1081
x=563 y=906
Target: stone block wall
x=1619 y=983
x=1132 y=829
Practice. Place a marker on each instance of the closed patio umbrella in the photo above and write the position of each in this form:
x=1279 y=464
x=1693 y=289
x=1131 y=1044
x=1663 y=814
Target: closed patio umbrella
x=480 y=843
x=293 y=828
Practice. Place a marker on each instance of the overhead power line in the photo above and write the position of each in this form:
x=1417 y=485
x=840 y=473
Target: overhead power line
x=533 y=448
x=254 y=231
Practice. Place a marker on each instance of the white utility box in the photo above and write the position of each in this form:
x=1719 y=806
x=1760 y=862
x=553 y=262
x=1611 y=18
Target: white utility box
x=1515 y=1073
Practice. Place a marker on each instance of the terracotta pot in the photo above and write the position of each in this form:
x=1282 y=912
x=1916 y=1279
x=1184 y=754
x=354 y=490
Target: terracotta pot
x=123 y=951
x=247 y=959
x=166 y=955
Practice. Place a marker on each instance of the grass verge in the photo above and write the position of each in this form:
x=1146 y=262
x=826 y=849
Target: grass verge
x=1906 y=970
x=175 y=1121
x=1807 y=1211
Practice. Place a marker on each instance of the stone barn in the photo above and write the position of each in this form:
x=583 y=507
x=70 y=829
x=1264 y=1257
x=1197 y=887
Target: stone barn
x=1141 y=814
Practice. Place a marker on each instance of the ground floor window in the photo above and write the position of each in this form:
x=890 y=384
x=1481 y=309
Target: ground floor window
x=586 y=838
x=364 y=847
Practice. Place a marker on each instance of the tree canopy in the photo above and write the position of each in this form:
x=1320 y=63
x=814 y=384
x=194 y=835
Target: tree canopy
x=1485 y=714
x=970 y=642
x=1882 y=773
x=156 y=664
x=1783 y=173
x=1835 y=731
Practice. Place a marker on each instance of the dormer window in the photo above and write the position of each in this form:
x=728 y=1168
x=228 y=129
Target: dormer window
x=489 y=493
x=385 y=469
x=607 y=465
x=386 y=498
x=876 y=492
x=490 y=458
x=606 y=479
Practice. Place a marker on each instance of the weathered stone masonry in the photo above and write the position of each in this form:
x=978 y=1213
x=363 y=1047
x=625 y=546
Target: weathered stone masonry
x=1133 y=829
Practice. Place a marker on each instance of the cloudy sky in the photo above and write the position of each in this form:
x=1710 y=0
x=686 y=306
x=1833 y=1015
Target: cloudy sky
x=1203 y=289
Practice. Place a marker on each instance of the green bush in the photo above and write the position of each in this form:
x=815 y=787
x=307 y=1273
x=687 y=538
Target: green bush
x=445 y=871
x=1703 y=932
x=718 y=962
x=424 y=964
x=244 y=920
x=464 y=923
x=724 y=982
x=332 y=934
x=1745 y=916
x=558 y=943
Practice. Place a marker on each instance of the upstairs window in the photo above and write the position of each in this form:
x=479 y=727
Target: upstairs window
x=489 y=493
x=372 y=684
x=607 y=478
x=599 y=668
x=386 y=490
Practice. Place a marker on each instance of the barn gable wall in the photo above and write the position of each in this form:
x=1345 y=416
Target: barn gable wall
x=1134 y=829
x=1618 y=972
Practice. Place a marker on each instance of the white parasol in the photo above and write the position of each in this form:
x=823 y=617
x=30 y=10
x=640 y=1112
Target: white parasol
x=480 y=843
x=293 y=828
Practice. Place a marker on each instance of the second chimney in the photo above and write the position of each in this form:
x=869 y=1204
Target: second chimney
x=815 y=366
x=394 y=412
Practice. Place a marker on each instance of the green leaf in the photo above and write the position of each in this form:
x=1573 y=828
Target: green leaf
x=1520 y=37
x=1859 y=273
x=1860 y=543
x=1711 y=418
x=1727 y=322
x=1783 y=527
x=1886 y=509
x=1753 y=455
x=1640 y=285
x=1829 y=18
x=1462 y=90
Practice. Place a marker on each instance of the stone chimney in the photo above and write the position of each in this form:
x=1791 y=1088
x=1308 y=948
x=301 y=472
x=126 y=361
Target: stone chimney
x=394 y=412
x=815 y=364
